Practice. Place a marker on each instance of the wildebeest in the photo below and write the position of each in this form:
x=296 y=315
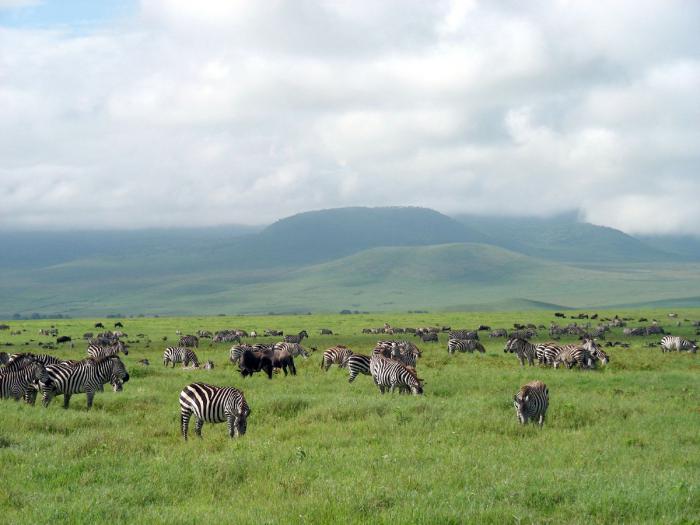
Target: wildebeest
x=429 y=337
x=252 y=362
x=326 y=331
x=118 y=324
x=99 y=325
x=63 y=339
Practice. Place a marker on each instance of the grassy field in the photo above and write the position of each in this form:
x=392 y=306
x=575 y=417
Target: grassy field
x=620 y=445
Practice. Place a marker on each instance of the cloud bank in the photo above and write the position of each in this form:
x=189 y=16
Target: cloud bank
x=200 y=113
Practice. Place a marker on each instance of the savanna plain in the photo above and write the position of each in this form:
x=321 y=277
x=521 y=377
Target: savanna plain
x=621 y=444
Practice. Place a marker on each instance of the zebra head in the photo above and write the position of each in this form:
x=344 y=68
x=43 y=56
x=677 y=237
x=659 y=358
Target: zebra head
x=118 y=374
x=510 y=345
x=240 y=424
x=592 y=347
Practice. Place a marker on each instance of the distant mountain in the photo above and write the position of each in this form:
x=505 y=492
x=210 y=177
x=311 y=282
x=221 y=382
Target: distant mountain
x=357 y=258
x=565 y=239
x=681 y=246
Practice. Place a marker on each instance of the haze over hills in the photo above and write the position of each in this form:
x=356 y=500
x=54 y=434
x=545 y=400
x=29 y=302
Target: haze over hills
x=354 y=258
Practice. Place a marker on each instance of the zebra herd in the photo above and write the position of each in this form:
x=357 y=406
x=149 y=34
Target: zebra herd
x=391 y=365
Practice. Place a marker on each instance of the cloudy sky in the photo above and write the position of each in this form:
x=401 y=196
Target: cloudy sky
x=181 y=113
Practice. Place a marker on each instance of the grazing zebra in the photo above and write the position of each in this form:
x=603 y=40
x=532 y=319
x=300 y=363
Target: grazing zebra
x=86 y=376
x=213 y=404
x=191 y=341
x=547 y=353
x=572 y=355
x=19 y=361
x=464 y=345
x=296 y=338
x=531 y=402
x=295 y=349
x=178 y=354
x=389 y=374
x=672 y=343
x=357 y=364
x=523 y=349
x=21 y=383
x=335 y=355
x=96 y=351
x=209 y=365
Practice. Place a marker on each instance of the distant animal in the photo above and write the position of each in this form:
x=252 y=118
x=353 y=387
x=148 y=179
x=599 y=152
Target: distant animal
x=336 y=355
x=296 y=338
x=389 y=374
x=499 y=332
x=429 y=337
x=274 y=333
x=464 y=345
x=99 y=325
x=463 y=334
x=63 y=339
x=209 y=365
x=357 y=364
x=672 y=343
x=326 y=331
x=251 y=362
x=96 y=351
x=179 y=354
x=559 y=314
x=673 y=315
x=85 y=376
x=118 y=324
x=213 y=404
x=144 y=362
x=189 y=341
x=531 y=402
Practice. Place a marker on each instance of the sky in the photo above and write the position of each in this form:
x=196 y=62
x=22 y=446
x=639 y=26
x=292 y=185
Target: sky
x=165 y=113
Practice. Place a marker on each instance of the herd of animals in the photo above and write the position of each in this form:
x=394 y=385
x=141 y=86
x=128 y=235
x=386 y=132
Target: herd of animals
x=392 y=365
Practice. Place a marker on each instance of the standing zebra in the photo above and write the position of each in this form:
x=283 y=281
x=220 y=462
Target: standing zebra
x=295 y=349
x=531 y=402
x=296 y=338
x=19 y=361
x=335 y=355
x=389 y=374
x=523 y=349
x=189 y=341
x=672 y=343
x=357 y=364
x=21 y=383
x=96 y=351
x=213 y=404
x=178 y=354
x=463 y=334
x=86 y=376
x=547 y=353
x=464 y=345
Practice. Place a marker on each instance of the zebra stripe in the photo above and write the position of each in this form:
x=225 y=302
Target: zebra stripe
x=531 y=402
x=337 y=355
x=178 y=354
x=671 y=343
x=389 y=374
x=357 y=364
x=85 y=376
x=463 y=334
x=296 y=338
x=97 y=351
x=189 y=341
x=547 y=353
x=523 y=349
x=22 y=383
x=237 y=351
x=464 y=345
x=17 y=362
x=295 y=349
x=213 y=404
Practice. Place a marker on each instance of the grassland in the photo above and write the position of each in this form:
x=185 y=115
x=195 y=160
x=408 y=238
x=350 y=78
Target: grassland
x=620 y=445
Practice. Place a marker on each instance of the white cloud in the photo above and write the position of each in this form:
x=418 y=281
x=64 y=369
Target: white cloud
x=195 y=113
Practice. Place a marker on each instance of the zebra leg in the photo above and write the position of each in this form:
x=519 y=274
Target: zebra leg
x=46 y=398
x=293 y=368
x=284 y=369
x=231 y=421
x=541 y=420
x=90 y=397
x=198 y=427
x=353 y=375
x=522 y=360
x=185 y=422
x=66 y=400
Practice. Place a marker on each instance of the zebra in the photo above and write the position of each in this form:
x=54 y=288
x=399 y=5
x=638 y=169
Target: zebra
x=357 y=364
x=296 y=338
x=19 y=361
x=335 y=355
x=209 y=365
x=178 y=354
x=237 y=351
x=463 y=334
x=389 y=374
x=21 y=383
x=523 y=349
x=213 y=404
x=295 y=349
x=86 y=376
x=571 y=355
x=531 y=402
x=672 y=343
x=104 y=351
x=189 y=341
x=464 y=345
x=547 y=353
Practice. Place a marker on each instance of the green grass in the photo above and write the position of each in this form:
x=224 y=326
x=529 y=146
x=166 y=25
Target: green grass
x=620 y=444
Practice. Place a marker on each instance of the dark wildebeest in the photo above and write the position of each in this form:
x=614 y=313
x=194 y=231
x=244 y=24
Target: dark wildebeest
x=99 y=325
x=118 y=324
x=283 y=359
x=326 y=331
x=63 y=339
x=430 y=336
x=252 y=362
